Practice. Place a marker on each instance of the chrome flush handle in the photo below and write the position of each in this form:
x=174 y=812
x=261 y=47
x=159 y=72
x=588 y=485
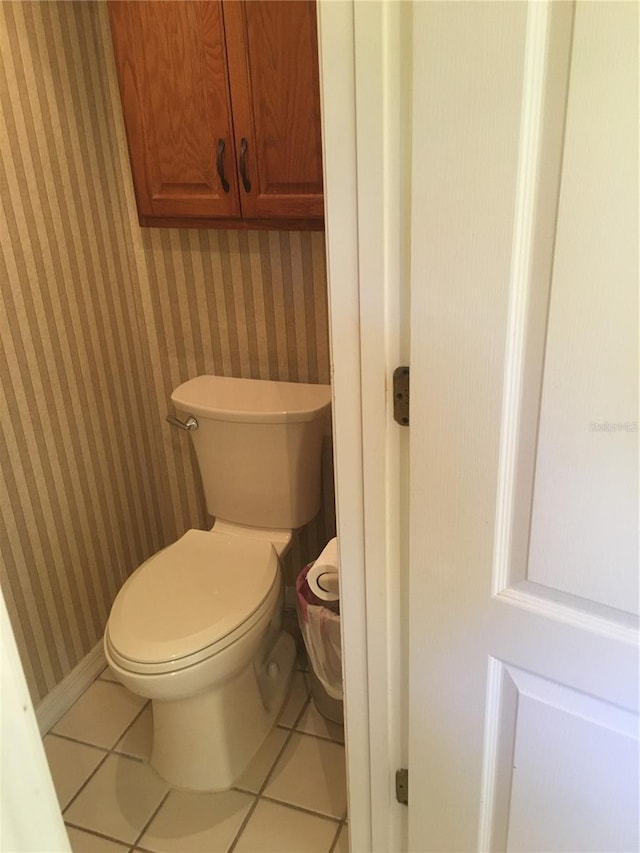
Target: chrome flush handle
x=189 y=424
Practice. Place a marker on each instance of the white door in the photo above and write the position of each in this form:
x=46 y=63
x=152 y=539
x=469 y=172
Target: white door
x=524 y=445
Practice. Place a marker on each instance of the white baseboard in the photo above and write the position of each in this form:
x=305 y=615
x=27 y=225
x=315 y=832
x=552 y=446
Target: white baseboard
x=62 y=697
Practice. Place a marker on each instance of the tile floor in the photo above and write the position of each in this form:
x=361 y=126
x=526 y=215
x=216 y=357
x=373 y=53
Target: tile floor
x=291 y=799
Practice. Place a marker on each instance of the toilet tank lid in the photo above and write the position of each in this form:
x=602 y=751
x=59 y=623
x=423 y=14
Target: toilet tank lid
x=246 y=400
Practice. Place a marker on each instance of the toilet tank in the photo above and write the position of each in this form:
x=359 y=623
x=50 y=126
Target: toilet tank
x=258 y=445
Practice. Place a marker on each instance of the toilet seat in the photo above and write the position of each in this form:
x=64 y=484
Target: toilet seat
x=191 y=600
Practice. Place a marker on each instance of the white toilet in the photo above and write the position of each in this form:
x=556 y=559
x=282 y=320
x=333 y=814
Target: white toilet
x=197 y=627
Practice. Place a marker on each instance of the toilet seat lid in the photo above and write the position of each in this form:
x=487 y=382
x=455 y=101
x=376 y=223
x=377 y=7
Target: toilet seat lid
x=191 y=595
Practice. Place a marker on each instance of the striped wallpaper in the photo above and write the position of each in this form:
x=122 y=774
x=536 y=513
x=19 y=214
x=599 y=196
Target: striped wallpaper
x=100 y=320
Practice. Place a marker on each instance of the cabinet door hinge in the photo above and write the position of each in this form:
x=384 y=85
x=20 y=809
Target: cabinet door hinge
x=401 y=395
x=402 y=786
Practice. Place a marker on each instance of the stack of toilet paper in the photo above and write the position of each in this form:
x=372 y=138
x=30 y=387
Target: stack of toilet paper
x=324 y=576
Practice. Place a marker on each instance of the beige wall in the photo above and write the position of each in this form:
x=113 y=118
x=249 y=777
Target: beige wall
x=100 y=320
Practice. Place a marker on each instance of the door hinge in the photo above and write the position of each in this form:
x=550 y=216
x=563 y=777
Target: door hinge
x=401 y=395
x=402 y=786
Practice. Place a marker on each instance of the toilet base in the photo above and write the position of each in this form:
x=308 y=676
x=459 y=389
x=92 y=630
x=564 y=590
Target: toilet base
x=204 y=742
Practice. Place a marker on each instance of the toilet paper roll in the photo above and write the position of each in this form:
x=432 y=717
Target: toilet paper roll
x=324 y=584
x=323 y=576
x=329 y=556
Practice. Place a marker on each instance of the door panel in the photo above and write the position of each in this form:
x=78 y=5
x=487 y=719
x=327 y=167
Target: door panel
x=172 y=69
x=584 y=535
x=523 y=644
x=273 y=68
x=570 y=751
x=559 y=754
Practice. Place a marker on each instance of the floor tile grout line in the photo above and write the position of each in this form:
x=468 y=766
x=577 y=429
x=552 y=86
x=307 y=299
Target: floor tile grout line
x=137 y=847
x=131 y=724
x=262 y=796
x=286 y=742
x=301 y=714
x=243 y=825
x=317 y=737
x=77 y=740
x=265 y=782
x=107 y=753
x=269 y=799
x=139 y=714
x=97 y=833
x=84 y=784
x=297 y=717
x=292 y=731
x=314 y=734
x=117 y=684
x=137 y=758
x=152 y=818
x=265 y=799
x=106 y=749
x=336 y=837
x=122 y=733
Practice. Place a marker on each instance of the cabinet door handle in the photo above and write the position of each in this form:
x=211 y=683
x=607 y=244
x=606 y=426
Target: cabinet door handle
x=246 y=183
x=220 y=166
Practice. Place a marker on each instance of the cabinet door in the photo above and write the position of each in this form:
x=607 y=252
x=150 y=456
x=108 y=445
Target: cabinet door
x=172 y=68
x=273 y=70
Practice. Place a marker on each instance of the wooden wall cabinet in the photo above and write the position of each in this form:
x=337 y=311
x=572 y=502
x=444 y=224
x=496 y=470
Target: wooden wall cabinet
x=221 y=103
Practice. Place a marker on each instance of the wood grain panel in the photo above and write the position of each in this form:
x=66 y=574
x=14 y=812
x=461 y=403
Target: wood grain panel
x=171 y=62
x=273 y=71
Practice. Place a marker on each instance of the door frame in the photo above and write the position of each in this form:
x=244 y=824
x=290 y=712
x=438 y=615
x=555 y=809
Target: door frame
x=364 y=77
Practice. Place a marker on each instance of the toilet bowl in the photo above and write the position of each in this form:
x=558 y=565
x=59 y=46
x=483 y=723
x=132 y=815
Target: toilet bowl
x=197 y=628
